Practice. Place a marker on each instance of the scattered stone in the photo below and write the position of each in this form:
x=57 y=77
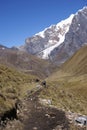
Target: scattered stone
x=45 y=101
x=34 y=128
x=47 y=115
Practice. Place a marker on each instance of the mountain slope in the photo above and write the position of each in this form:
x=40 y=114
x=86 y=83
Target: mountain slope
x=25 y=62
x=67 y=88
x=77 y=64
x=75 y=38
x=60 y=41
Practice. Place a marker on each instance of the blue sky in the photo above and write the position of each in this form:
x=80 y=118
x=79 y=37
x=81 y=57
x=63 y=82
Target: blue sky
x=20 y=19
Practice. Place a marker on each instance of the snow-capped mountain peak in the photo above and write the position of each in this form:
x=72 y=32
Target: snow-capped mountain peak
x=60 y=24
x=42 y=43
x=41 y=34
x=63 y=38
x=57 y=36
x=66 y=21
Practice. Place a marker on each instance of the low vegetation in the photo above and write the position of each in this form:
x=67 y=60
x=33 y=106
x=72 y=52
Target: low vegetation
x=13 y=86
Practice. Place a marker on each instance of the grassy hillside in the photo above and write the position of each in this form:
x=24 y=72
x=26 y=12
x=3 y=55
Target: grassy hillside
x=77 y=64
x=67 y=88
x=13 y=85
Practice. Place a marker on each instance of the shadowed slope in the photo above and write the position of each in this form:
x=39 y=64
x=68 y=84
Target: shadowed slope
x=25 y=62
x=77 y=64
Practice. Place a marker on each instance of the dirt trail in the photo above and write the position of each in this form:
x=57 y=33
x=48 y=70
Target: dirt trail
x=40 y=117
x=34 y=116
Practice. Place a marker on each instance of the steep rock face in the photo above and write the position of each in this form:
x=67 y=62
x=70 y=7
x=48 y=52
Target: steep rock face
x=42 y=43
x=74 y=39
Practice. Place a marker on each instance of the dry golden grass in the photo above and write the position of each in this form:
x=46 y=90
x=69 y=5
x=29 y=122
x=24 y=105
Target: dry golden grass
x=67 y=88
x=13 y=86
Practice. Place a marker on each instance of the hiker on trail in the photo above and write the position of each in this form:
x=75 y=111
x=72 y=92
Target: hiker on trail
x=43 y=83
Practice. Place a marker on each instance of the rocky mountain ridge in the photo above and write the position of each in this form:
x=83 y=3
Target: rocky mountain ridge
x=42 y=43
x=75 y=38
x=59 y=42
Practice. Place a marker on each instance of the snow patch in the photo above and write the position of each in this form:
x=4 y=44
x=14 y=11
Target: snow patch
x=78 y=24
x=52 y=42
x=3 y=48
x=47 y=51
x=65 y=22
x=41 y=34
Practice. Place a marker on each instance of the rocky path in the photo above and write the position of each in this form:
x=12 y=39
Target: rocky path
x=34 y=116
x=43 y=118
